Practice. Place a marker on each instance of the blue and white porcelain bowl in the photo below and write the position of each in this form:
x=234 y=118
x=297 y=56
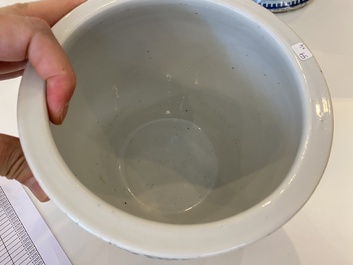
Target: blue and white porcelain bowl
x=282 y=5
x=197 y=127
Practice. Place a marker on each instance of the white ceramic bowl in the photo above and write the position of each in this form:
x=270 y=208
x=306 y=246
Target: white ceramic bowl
x=195 y=127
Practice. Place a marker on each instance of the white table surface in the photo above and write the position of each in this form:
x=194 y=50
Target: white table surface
x=322 y=232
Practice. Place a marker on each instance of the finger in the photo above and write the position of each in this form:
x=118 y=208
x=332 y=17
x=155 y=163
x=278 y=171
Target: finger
x=49 y=10
x=14 y=166
x=10 y=70
x=15 y=46
x=10 y=67
x=50 y=62
x=32 y=39
x=11 y=75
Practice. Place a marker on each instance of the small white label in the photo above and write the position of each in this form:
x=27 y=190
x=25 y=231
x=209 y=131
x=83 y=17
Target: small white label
x=302 y=51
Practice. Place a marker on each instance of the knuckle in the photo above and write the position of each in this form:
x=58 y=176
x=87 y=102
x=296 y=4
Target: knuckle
x=38 y=25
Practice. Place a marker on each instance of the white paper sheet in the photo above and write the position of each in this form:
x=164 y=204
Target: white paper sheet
x=24 y=236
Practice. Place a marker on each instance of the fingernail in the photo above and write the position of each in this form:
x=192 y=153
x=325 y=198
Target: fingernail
x=64 y=112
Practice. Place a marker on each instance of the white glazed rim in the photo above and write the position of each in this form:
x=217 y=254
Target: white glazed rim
x=180 y=241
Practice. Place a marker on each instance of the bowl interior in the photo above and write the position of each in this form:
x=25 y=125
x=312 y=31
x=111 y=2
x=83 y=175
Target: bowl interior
x=183 y=113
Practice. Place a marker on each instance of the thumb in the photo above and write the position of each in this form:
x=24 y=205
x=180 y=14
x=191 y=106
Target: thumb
x=27 y=35
x=13 y=165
